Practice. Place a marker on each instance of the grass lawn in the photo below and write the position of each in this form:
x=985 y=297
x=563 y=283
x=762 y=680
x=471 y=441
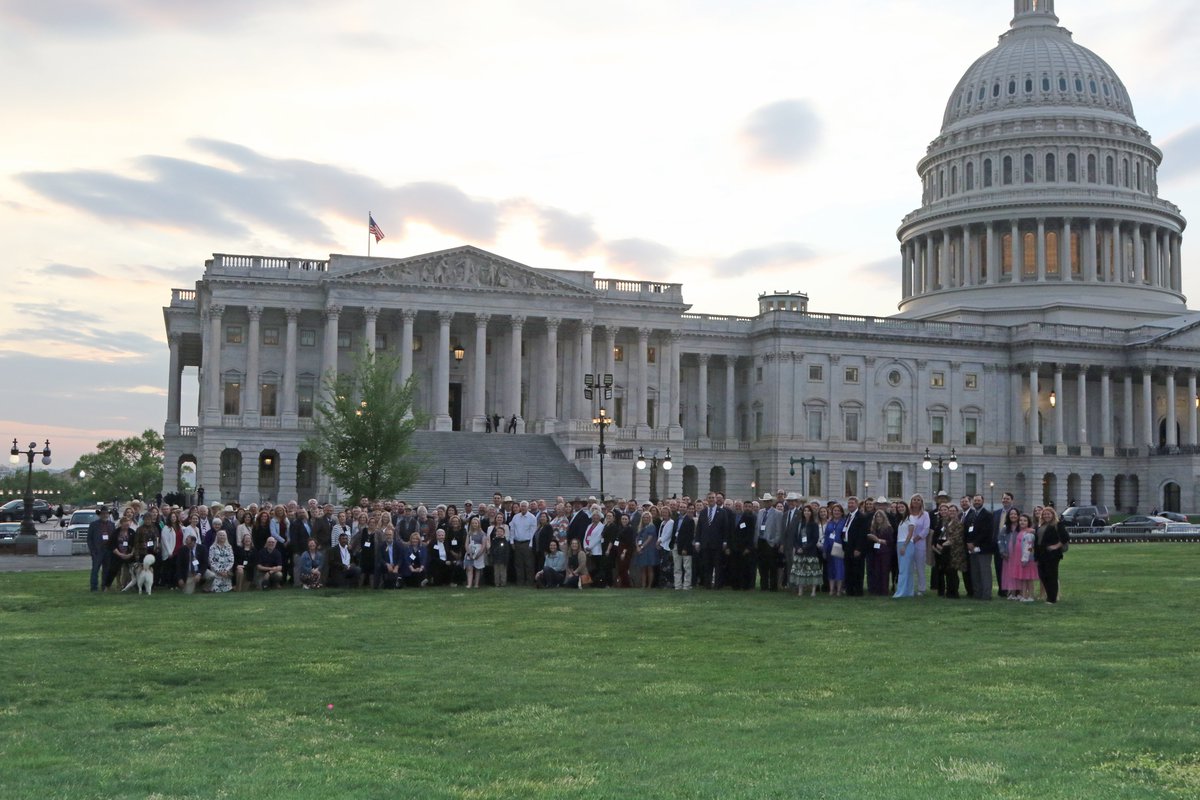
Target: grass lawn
x=607 y=694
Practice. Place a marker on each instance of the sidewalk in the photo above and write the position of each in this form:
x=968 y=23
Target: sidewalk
x=44 y=563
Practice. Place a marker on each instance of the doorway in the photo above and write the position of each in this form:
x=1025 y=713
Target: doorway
x=456 y=406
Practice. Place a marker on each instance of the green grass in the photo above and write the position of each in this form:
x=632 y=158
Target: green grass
x=607 y=694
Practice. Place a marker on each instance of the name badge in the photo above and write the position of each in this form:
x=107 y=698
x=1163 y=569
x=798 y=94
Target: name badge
x=762 y=527
x=412 y=558
x=245 y=563
x=454 y=543
x=149 y=545
x=971 y=529
x=366 y=544
x=104 y=537
x=742 y=525
x=195 y=563
x=878 y=546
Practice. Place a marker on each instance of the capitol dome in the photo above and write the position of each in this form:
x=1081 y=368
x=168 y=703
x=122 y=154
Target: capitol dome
x=1040 y=194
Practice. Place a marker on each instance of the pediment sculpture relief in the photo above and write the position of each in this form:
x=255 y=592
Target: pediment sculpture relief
x=465 y=269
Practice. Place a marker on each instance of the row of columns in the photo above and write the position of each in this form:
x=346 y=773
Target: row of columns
x=1148 y=427
x=930 y=264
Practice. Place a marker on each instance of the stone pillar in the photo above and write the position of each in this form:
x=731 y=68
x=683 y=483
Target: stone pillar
x=676 y=389
x=1148 y=407
x=1016 y=250
x=1106 y=255
x=906 y=270
x=479 y=380
x=1060 y=401
x=513 y=378
x=993 y=263
x=702 y=396
x=371 y=314
x=1034 y=422
x=586 y=367
x=1081 y=405
x=291 y=408
x=441 y=374
x=1041 y=250
x=1176 y=263
x=174 y=386
x=1139 y=255
x=407 y=316
x=731 y=398
x=643 y=378
x=920 y=278
x=547 y=378
x=1172 y=431
x=1192 y=410
x=967 y=274
x=944 y=271
x=248 y=481
x=1089 y=261
x=253 y=392
x=1065 y=271
x=1016 y=381
x=329 y=359
x=1106 y=432
x=215 y=315
x=610 y=350
x=1127 y=412
x=287 y=470
x=1155 y=262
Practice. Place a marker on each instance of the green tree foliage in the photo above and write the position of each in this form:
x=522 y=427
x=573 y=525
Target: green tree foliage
x=122 y=469
x=363 y=427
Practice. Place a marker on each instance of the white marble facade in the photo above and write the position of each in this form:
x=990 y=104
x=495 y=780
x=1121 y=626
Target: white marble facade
x=1043 y=334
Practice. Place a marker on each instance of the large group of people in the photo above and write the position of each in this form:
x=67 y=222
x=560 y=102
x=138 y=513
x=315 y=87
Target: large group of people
x=880 y=547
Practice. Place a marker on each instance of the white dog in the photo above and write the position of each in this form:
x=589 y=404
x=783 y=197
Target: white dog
x=143 y=576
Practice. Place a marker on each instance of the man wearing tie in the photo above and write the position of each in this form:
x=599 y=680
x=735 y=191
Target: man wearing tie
x=712 y=528
x=190 y=563
x=981 y=547
x=387 y=568
x=858 y=526
x=768 y=530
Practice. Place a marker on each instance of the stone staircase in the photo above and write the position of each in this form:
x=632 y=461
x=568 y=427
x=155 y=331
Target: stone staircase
x=471 y=466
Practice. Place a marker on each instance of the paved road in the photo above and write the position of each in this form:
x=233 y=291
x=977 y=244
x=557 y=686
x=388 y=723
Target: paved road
x=43 y=563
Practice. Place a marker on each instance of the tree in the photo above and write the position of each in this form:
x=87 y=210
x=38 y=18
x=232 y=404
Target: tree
x=363 y=427
x=122 y=469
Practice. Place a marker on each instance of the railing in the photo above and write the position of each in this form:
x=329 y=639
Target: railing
x=1097 y=452
x=1049 y=450
x=1129 y=452
x=190 y=431
x=305 y=423
x=612 y=285
x=231 y=421
x=269 y=423
x=1177 y=450
x=185 y=298
x=1020 y=450
x=622 y=455
x=1074 y=450
x=990 y=197
x=691 y=444
x=626 y=434
x=582 y=426
x=266 y=262
x=583 y=453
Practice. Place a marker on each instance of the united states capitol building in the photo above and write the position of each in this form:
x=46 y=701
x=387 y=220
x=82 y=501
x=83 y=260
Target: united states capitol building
x=1042 y=335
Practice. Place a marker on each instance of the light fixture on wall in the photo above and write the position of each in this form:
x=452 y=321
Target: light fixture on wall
x=1053 y=400
x=266 y=461
x=459 y=353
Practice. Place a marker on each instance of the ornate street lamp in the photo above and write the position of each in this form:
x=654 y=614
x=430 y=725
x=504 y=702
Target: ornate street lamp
x=942 y=461
x=654 y=464
x=602 y=420
x=28 y=535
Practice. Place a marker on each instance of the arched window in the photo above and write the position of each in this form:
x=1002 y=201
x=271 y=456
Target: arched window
x=1030 y=254
x=1029 y=86
x=970 y=176
x=1051 y=253
x=893 y=422
x=987 y=173
x=1072 y=168
x=1091 y=168
x=953 y=179
x=1012 y=87
x=1008 y=171
x=1045 y=83
x=1029 y=174
x=1138 y=173
x=996 y=89
x=1051 y=168
x=1078 y=84
x=1062 y=83
x=941 y=183
x=1125 y=171
x=1109 y=172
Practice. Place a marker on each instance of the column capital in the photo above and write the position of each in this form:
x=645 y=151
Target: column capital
x=255 y=312
x=332 y=312
x=644 y=334
x=675 y=336
x=371 y=312
x=408 y=314
x=1060 y=368
x=703 y=358
x=481 y=320
x=1170 y=370
x=517 y=321
x=611 y=331
x=445 y=317
x=293 y=313
x=1106 y=371
x=552 y=323
x=216 y=310
x=174 y=338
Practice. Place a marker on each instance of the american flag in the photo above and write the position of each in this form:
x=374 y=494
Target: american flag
x=374 y=229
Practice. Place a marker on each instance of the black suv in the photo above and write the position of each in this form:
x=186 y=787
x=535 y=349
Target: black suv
x=14 y=511
x=1086 y=517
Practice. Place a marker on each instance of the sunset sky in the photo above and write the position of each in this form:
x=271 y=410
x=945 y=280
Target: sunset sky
x=736 y=146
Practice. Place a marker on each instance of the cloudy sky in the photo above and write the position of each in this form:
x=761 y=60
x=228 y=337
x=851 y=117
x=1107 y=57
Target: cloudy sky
x=736 y=146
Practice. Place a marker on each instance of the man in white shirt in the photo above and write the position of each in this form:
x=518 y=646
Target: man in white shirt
x=522 y=529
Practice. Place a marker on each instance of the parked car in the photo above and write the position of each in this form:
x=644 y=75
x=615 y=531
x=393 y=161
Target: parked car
x=77 y=527
x=8 y=532
x=1174 y=516
x=1141 y=523
x=1185 y=528
x=1086 y=517
x=14 y=511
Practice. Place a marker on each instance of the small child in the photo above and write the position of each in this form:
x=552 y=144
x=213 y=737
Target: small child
x=1027 y=571
x=500 y=552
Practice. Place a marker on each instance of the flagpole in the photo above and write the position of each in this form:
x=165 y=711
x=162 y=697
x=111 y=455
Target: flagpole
x=368 y=234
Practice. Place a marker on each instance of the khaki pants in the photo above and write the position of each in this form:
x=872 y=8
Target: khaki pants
x=683 y=571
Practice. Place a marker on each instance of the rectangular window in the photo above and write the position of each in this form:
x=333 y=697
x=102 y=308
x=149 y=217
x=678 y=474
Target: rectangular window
x=619 y=412
x=816 y=373
x=938 y=430
x=850 y=484
x=894 y=420
x=233 y=334
x=343 y=339
x=270 y=400
x=618 y=353
x=938 y=380
x=304 y=399
x=971 y=381
x=816 y=424
x=233 y=398
x=758 y=374
x=758 y=425
x=651 y=355
x=308 y=337
x=270 y=336
x=895 y=484
x=814 y=483
x=851 y=426
x=972 y=484
x=971 y=431
x=650 y=409
x=851 y=375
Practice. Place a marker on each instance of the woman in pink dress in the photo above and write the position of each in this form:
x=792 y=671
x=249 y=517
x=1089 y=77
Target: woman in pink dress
x=1020 y=568
x=1009 y=531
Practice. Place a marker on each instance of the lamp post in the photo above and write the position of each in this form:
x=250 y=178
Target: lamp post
x=28 y=535
x=654 y=462
x=792 y=462
x=603 y=420
x=942 y=461
x=991 y=494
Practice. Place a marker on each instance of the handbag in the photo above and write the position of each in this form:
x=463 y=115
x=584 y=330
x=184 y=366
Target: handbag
x=837 y=551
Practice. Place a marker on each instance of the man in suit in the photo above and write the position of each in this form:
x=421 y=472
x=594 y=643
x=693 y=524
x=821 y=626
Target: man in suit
x=999 y=515
x=342 y=564
x=768 y=535
x=741 y=546
x=387 y=564
x=580 y=520
x=857 y=544
x=322 y=527
x=713 y=527
x=100 y=536
x=685 y=548
x=981 y=547
x=191 y=562
x=790 y=525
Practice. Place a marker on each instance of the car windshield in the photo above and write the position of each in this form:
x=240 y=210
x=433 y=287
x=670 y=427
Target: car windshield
x=83 y=517
x=11 y=504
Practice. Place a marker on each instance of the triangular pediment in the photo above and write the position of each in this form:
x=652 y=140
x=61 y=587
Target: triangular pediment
x=460 y=268
x=1184 y=334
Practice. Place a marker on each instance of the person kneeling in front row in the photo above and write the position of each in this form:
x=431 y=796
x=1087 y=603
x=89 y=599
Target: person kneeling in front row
x=554 y=568
x=270 y=565
x=191 y=563
x=343 y=564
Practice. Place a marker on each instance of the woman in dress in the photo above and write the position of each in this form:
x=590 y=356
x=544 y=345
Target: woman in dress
x=647 y=551
x=221 y=563
x=261 y=530
x=311 y=563
x=610 y=542
x=910 y=547
x=245 y=559
x=476 y=555
x=626 y=542
x=806 y=565
x=1009 y=537
x=879 y=560
x=1021 y=557
x=1048 y=552
x=951 y=548
x=834 y=545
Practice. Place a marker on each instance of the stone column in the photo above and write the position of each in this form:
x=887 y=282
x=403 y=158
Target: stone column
x=731 y=398
x=329 y=359
x=253 y=390
x=548 y=377
x=441 y=374
x=1081 y=406
x=291 y=409
x=1127 y=413
x=586 y=367
x=643 y=378
x=1155 y=258
x=1016 y=381
x=371 y=314
x=1139 y=255
x=1106 y=432
x=513 y=378
x=248 y=481
x=610 y=350
x=479 y=380
x=1192 y=410
x=1172 y=431
x=906 y=270
x=1041 y=250
x=702 y=396
x=1065 y=271
x=1106 y=255
x=676 y=389
x=174 y=386
x=1148 y=407
x=1018 y=263
x=407 y=316
x=1176 y=263
x=993 y=265
x=1089 y=263
x=216 y=314
x=920 y=277
x=1060 y=401
x=1034 y=422
x=944 y=270
x=967 y=274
